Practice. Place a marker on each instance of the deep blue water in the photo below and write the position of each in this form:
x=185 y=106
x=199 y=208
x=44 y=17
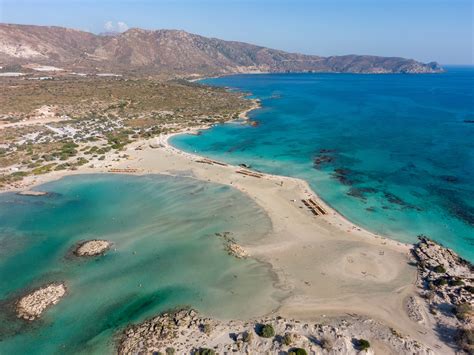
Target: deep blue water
x=393 y=153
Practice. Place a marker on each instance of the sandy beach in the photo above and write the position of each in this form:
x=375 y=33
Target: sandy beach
x=329 y=266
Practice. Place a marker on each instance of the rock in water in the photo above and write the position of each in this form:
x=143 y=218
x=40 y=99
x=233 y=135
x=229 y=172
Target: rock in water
x=92 y=247
x=31 y=306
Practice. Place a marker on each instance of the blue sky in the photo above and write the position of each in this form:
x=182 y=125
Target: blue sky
x=440 y=30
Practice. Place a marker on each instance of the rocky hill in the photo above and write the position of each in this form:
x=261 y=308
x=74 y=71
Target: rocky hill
x=174 y=52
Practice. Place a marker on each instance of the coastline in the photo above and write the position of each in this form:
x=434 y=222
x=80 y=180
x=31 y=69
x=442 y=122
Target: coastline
x=330 y=266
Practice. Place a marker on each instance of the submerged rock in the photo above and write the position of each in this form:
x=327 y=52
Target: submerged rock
x=92 y=247
x=31 y=306
x=32 y=193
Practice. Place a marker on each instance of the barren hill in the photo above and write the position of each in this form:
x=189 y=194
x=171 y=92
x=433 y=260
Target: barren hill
x=174 y=52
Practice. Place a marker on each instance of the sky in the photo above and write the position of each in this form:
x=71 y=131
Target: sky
x=426 y=30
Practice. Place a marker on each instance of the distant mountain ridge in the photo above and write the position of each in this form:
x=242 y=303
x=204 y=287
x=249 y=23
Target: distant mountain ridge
x=175 y=52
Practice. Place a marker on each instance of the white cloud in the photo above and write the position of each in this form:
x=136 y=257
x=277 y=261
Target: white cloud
x=109 y=26
x=119 y=26
x=122 y=26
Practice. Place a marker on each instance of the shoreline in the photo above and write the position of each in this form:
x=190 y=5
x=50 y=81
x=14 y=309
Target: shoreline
x=330 y=266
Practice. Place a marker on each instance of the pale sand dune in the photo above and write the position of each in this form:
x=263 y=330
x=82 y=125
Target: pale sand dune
x=329 y=266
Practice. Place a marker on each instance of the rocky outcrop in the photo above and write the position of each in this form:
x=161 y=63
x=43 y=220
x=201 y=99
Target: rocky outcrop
x=92 y=247
x=446 y=283
x=175 y=52
x=186 y=332
x=31 y=306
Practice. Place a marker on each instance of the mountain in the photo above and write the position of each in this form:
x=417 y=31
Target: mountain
x=175 y=52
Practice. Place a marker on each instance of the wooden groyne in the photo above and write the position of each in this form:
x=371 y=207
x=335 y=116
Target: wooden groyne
x=124 y=170
x=210 y=162
x=249 y=173
x=314 y=207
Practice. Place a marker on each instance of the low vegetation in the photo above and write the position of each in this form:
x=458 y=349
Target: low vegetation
x=362 y=344
x=85 y=120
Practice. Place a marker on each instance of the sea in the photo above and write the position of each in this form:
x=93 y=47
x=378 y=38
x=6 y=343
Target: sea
x=392 y=153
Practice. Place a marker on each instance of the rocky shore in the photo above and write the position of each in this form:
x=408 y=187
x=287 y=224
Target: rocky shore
x=186 y=332
x=446 y=283
x=92 y=247
x=31 y=306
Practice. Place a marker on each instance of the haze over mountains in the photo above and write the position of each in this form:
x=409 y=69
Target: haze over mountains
x=141 y=52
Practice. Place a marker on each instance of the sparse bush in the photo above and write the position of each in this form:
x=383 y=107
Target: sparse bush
x=297 y=351
x=205 y=351
x=170 y=351
x=247 y=337
x=362 y=344
x=439 y=269
x=287 y=339
x=465 y=339
x=206 y=328
x=463 y=311
x=266 y=331
x=327 y=344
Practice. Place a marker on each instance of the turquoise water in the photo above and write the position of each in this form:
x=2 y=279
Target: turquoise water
x=165 y=255
x=393 y=153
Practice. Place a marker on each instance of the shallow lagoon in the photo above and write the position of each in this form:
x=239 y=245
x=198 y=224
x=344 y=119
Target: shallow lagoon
x=165 y=255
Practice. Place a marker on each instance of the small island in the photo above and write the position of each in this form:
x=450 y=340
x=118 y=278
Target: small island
x=92 y=247
x=31 y=306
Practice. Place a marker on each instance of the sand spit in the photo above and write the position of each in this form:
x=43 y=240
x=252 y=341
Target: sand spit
x=329 y=266
x=186 y=332
x=31 y=306
x=92 y=247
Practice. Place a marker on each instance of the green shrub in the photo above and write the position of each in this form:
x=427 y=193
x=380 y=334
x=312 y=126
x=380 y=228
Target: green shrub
x=469 y=288
x=440 y=282
x=439 y=269
x=297 y=351
x=170 y=351
x=456 y=282
x=266 y=331
x=362 y=344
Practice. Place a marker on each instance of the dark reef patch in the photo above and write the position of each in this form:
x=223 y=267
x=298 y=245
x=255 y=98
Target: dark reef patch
x=361 y=192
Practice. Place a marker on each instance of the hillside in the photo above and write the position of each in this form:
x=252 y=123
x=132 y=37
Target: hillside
x=174 y=52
